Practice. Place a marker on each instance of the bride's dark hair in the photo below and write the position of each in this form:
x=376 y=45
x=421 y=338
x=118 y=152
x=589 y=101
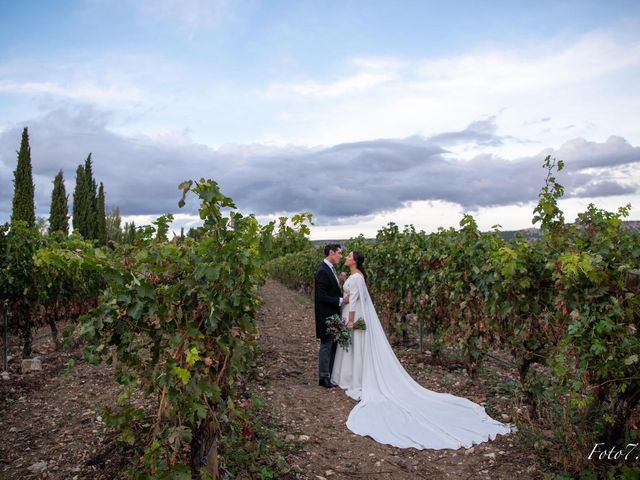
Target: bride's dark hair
x=359 y=258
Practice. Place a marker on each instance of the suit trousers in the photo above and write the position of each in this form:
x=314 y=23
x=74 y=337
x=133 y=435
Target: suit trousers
x=328 y=347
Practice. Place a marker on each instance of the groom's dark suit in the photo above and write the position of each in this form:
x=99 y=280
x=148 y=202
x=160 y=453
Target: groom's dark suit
x=327 y=302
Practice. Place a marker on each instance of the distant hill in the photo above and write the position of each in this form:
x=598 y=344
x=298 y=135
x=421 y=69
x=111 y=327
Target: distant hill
x=530 y=234
x=322 y=243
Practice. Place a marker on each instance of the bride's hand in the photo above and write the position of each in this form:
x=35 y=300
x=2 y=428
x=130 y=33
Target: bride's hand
x=345 y=300
x=350 y=325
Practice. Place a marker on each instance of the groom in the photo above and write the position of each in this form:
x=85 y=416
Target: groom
x=328 y=300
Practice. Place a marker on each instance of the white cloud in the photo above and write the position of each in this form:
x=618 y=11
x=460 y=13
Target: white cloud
x=507 y=72
x=587 y=86
x=103 y=95
x=378 y=63
x=358 y=83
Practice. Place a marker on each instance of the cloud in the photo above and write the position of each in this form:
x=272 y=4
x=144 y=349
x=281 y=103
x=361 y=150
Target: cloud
x=370 y=74
x=357 y=83
x=379 y=63
x=537 y=121
x=348 y=180
x=193 y=14
x=543 y=86
x=580 y=153
x=126 y=83
x=140 y=175
x=605 y=188
x=542 y=89
x=593 y=55
x=99 y=94
x=479 y=132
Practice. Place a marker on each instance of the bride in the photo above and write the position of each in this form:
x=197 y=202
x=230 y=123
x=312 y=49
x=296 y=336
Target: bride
x=393 y=408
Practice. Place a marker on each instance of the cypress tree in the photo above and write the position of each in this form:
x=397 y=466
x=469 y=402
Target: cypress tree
x=59 y=215
x=132 y=232
x=23 y=201
x=91 y=198
x=113 y=221
x=125 y=233
x=79 y=202
x=101 y=219
x=85 y=203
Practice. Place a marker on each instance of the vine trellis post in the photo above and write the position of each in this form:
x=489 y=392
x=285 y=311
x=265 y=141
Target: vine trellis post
x=5 y=336
x=633 y=280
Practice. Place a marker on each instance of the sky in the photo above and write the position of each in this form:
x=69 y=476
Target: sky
x=361 y=112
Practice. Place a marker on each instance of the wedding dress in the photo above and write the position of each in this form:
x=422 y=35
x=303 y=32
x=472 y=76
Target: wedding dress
x=393 y=408
x=348 y=364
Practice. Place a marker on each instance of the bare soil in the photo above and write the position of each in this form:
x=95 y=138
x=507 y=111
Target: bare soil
x=51 y=420
x=52 y=426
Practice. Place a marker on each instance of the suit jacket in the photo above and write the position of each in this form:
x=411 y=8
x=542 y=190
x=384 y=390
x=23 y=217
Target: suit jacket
x=327 y=295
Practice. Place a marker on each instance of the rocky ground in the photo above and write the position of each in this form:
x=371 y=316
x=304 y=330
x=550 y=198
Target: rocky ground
x=52 y=426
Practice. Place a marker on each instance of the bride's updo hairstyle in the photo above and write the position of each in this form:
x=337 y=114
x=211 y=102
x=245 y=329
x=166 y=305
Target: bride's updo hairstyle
x=359 y=258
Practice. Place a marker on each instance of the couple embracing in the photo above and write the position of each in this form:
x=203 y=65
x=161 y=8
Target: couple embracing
x=392 y=408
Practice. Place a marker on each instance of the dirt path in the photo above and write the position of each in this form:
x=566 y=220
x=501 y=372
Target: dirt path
x=52 y=427
x=289 y=383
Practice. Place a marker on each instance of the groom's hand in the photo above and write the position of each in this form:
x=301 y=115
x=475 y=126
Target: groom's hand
x=345 y=300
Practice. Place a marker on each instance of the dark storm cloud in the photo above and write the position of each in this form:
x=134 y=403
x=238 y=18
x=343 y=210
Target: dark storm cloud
x=604 y=189
x=352 y=179
x=140 y=175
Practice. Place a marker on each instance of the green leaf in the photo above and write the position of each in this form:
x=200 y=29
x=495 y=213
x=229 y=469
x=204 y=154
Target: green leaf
x=135 y=312
x=178 y=472
x=201 y=410
x=575 y=329
x=193 y=356
x=87 y=329
x=185 y=187
x=179 y=436
x=127 y=435
x=145 y=291
x=183 y=374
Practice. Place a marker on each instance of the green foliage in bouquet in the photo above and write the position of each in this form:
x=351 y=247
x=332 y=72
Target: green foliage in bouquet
x=359 y=324
x=340 y=332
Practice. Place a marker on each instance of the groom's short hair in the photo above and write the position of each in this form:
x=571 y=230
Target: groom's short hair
x=331 y=247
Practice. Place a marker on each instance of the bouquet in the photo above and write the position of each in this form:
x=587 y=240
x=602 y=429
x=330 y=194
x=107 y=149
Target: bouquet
x=337 y=328
x=359 y=324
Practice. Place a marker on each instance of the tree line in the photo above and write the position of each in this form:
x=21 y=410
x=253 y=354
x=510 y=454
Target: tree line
x=89 y=216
